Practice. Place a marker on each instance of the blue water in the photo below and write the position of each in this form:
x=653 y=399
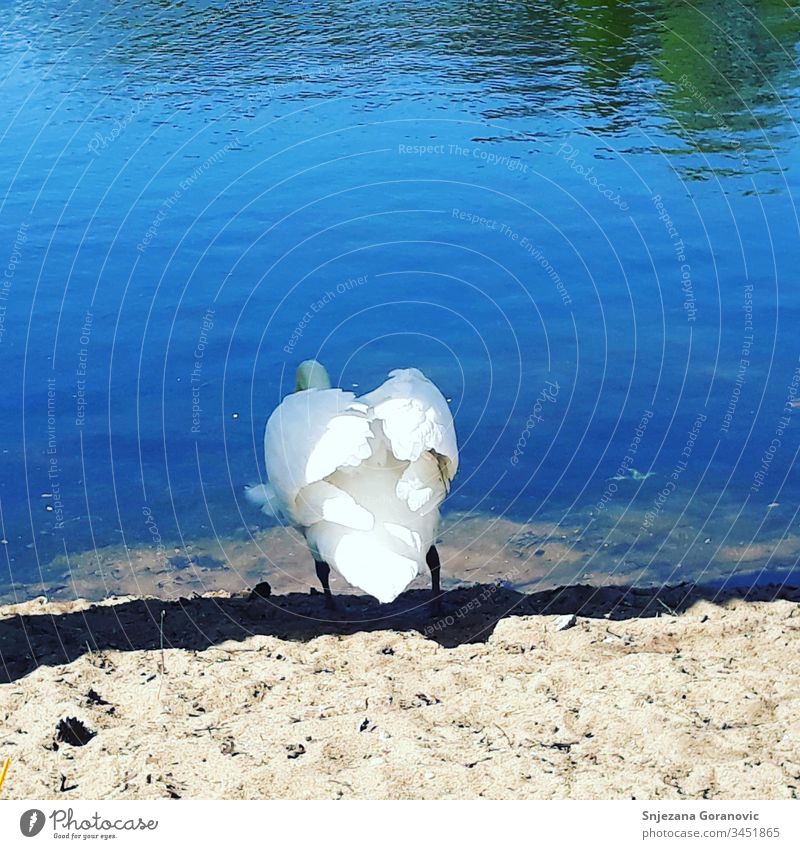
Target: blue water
x=588 y=204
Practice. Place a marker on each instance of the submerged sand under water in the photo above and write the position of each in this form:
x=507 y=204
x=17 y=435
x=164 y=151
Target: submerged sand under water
x=602 y=549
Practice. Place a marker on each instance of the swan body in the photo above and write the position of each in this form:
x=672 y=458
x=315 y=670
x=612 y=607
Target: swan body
x=362 y=477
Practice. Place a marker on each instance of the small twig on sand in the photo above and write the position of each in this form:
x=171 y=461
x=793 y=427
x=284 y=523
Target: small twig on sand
x=162 y=666
x=500 y=728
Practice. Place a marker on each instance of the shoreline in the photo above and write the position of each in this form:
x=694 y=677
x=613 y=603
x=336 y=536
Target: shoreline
x=677 y=692
x=531 y=556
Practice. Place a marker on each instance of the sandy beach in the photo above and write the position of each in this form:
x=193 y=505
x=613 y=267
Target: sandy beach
x=674 y=693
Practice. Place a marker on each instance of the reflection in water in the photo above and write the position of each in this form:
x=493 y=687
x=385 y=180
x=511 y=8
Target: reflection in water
x=610 y=39
x=726 y=67
x=713 y=67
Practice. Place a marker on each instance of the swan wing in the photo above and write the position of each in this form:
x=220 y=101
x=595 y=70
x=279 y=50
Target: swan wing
x=310 y=435
x=323 y=502
x=416 y=419
x=423 y=485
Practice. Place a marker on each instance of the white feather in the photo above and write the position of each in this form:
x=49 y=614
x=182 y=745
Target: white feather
x=322 y=501
x=264 y=497
x=415 y=417
x=309 y=436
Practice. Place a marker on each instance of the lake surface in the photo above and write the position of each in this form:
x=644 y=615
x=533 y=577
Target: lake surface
x=579 y=219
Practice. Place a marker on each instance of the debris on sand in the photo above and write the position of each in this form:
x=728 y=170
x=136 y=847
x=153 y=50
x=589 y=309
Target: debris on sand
x=74 y=732
x=570 y=620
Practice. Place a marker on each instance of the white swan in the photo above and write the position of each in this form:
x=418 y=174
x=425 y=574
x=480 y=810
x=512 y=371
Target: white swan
x=362 y=478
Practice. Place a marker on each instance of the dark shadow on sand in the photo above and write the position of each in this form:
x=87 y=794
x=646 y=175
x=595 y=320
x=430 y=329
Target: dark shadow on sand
x=469 y=615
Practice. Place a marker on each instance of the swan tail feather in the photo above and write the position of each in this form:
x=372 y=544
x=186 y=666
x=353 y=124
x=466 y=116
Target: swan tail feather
x=263 y=496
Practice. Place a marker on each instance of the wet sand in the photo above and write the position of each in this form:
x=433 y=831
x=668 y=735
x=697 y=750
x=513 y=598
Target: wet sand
x=682 y=692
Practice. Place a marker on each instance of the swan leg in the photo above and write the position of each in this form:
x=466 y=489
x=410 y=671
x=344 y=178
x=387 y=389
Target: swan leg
x=432 y=559
x=323 y=573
